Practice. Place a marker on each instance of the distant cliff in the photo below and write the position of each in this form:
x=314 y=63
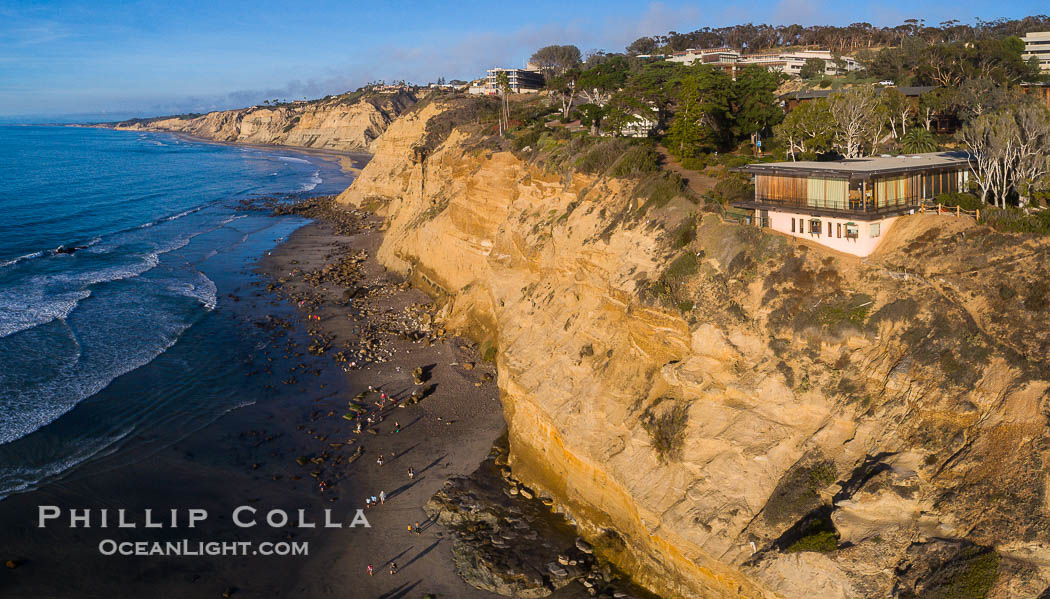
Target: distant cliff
x=348 y=122
x=792 y=423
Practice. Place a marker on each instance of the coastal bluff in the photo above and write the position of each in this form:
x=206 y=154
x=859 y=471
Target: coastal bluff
x=347 y=123
x=723 y=411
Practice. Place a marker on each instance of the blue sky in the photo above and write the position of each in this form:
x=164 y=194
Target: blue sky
x=150 y=57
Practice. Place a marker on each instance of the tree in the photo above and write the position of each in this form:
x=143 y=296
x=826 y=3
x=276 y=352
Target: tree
x=980 y=96
x=503 y=82
x=937 y=102
x=853 y=113
x=918 y=140
x=898 y=108
x=1032 y=142
x=624 y=109
x=704 y=117
x=554 y=60
x=813 y=68
x=598 y=83
x=988 y=140
x=755 y=106
x=562 y=90
x=807 y=129
x=642 y=45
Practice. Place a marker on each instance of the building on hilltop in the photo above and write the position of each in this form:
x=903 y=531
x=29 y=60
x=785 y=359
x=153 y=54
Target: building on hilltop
x=787 y=62
x=1037 y=45
x=522 y=81
x=848 y=205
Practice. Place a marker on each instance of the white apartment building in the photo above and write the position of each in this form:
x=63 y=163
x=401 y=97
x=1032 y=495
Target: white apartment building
x=1037 y=45
x=789 y=62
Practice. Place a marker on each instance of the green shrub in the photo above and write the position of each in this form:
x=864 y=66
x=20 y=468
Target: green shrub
x=683 y=266
x=966 y=201
x=601 y=156
x=797 y=491
x=529 y=138
x=684 y=234
x=1014 y=220
x=850 y=311
x=667 y=431
x=637 y=160
x=970 y=575
x=694 y=164
x=658 y=190
x=733 y=189
x=822 y=542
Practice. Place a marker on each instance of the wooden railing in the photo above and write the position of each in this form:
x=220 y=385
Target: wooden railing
x=939 y=208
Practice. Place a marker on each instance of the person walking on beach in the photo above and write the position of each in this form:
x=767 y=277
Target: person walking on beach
x=370 y=571
x=419 y=530
x=382 y=497
x=379 y=460
x=393 y=568
x=374 y=502
x=397 y=427
x=411 y=473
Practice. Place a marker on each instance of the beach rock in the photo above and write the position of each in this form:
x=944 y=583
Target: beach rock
x=584 y=546
x=11 y=564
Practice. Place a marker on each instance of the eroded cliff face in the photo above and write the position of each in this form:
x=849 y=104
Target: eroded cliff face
x=338 y=123
x=705 y=408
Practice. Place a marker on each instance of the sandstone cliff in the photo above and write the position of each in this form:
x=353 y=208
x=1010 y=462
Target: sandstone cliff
x=349 y=122
x=723 y=411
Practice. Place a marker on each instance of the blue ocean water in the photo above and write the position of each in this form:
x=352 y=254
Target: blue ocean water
x=126 y=335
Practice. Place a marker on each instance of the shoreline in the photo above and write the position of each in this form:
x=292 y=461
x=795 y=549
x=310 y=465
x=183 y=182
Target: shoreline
x=250 y=456
x=358 y=159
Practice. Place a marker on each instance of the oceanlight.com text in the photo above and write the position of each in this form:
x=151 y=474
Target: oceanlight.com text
x=188 y=548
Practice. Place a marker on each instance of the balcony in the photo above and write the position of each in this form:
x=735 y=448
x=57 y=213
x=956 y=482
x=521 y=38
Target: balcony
x=857 y=209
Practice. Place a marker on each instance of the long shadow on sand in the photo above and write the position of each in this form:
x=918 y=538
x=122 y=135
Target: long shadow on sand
x=400 y=591
x=404 y=488
x=428 y=549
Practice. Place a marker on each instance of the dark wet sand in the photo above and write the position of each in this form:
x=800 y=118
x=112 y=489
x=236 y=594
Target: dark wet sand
x=248 y=457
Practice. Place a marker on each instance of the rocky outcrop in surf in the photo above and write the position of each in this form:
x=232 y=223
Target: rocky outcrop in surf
x=727 y=412
x=348 y=122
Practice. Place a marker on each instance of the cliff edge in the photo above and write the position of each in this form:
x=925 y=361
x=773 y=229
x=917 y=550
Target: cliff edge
x=349 y=122
x=725 y=412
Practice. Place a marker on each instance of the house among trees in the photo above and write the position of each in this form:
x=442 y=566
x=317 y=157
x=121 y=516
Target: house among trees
x=848 y=205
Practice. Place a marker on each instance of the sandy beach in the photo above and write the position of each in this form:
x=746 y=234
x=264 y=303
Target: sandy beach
x=251 y=457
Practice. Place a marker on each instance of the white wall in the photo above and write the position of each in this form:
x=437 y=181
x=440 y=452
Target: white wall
x=864 y=245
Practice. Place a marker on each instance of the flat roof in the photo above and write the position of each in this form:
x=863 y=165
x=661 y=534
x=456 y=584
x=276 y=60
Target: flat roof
x=862 y=167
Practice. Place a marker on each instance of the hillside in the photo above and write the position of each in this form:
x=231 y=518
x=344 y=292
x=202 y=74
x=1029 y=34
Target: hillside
x=793 y=423
x=349 y=122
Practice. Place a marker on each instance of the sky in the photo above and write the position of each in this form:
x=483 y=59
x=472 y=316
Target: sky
x=105 y=60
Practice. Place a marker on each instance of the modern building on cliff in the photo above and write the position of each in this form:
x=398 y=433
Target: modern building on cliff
x=1037 y=45
x=848 y=205
x=521 y=81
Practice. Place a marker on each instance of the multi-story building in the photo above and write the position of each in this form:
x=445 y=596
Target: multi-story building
x=848 y=205
x=521 y=81
x=788 y=62
x=1037 y=45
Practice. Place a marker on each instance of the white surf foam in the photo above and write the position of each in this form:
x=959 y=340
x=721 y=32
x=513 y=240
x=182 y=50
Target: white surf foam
x=315 y=180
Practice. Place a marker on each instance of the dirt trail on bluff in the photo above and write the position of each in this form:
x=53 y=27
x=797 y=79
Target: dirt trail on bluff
x=344 y=123
x=740 y=415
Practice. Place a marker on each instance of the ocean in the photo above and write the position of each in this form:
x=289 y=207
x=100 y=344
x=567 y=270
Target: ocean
x=130 y=339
